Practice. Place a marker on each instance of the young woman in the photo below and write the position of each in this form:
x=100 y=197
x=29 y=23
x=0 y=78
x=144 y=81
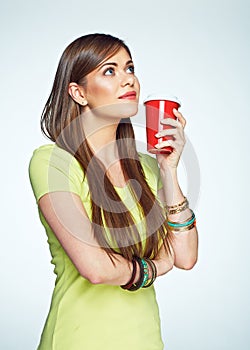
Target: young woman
x=115 y=219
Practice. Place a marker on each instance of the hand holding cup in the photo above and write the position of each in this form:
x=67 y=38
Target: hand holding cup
x=158 y=108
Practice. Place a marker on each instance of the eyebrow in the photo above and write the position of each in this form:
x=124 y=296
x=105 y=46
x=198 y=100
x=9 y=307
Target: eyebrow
x=114 y=64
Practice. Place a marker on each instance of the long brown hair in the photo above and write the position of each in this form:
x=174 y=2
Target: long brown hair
x=113 y=223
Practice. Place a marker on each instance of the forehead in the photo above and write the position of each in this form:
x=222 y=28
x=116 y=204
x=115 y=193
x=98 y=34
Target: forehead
x=121 y=57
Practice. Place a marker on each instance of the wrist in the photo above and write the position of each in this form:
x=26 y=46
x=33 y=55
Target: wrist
x=171 y=187
x=165 y=264
x=160 y=266
x=168 y=171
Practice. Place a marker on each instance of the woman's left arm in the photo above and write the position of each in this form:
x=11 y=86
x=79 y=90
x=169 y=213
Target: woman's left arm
x=184 y=242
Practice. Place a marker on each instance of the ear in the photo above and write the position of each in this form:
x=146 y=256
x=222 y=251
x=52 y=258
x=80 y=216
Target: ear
x=77 y=94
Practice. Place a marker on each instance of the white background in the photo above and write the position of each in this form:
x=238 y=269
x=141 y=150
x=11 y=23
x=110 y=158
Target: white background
x=198 y=50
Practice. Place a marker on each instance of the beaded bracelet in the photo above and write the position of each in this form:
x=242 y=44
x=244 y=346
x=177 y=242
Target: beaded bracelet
x=154 y=273
x=146 y=271
x=144 y=281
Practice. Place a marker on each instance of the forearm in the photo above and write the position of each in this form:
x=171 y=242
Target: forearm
x=185 y=244
x=67 y=218
x=171 y=187
x=94 y=264
x=104 y=271
x=119 y=272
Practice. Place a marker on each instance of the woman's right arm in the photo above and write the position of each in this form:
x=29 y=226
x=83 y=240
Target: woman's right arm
x=65 y=214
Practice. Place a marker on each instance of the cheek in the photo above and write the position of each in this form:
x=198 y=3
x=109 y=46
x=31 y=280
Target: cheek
x=101 y=88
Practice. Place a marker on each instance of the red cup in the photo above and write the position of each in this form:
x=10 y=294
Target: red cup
x=159 y=107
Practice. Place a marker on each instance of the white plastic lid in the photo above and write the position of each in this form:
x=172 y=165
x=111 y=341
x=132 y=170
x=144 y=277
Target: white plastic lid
x=162 y=97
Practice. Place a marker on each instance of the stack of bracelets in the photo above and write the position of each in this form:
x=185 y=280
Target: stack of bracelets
x=180 y=226
x=144 y=264
x=144 y=280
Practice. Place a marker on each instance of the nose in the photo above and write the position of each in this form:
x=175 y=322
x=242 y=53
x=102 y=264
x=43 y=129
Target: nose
x=128 y=79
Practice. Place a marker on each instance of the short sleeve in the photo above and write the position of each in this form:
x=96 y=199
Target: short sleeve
x=152 y=171
x=53 y=169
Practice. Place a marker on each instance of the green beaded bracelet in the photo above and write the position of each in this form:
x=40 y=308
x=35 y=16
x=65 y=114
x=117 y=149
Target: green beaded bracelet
x=145 y=267
x=154 y=273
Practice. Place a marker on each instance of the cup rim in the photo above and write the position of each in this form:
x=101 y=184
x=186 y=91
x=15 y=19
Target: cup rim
x=162 y=97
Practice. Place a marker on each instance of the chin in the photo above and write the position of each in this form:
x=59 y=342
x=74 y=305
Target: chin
x=128 y=110
x=118 y=110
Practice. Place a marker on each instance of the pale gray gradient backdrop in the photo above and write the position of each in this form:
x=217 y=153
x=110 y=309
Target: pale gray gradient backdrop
x=199 y=50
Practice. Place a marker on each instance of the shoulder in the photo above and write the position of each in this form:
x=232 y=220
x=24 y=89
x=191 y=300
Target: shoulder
x=48 y=151
x=51 y=155
x=51 y=169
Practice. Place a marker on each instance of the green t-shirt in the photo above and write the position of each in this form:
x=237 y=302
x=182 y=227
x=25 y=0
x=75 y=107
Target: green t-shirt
x=84 y=316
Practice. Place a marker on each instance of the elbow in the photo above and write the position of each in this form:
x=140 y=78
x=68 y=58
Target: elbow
x=93 y=279
x=188 y=265
x=92 y=276
x=96 y=280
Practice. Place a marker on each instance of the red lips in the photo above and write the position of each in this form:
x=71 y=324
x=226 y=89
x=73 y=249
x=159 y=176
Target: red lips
x=130 y=95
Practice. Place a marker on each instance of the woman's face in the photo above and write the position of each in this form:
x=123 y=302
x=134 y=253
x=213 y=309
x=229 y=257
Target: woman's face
x=112 y=89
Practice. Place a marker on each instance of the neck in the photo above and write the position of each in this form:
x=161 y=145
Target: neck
x=101 y=136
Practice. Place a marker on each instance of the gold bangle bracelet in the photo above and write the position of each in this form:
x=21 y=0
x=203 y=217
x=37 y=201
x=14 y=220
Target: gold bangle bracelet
x=186 y=220
x=177 y=205
x=178 y=209
x=183 y=229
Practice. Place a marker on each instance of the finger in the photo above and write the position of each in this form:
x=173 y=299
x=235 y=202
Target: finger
x=177 y=144
x=176 y=148
x=180 y=117
x=177 y=135
x=164 y=144
x=166 y=132
x=172 y=122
